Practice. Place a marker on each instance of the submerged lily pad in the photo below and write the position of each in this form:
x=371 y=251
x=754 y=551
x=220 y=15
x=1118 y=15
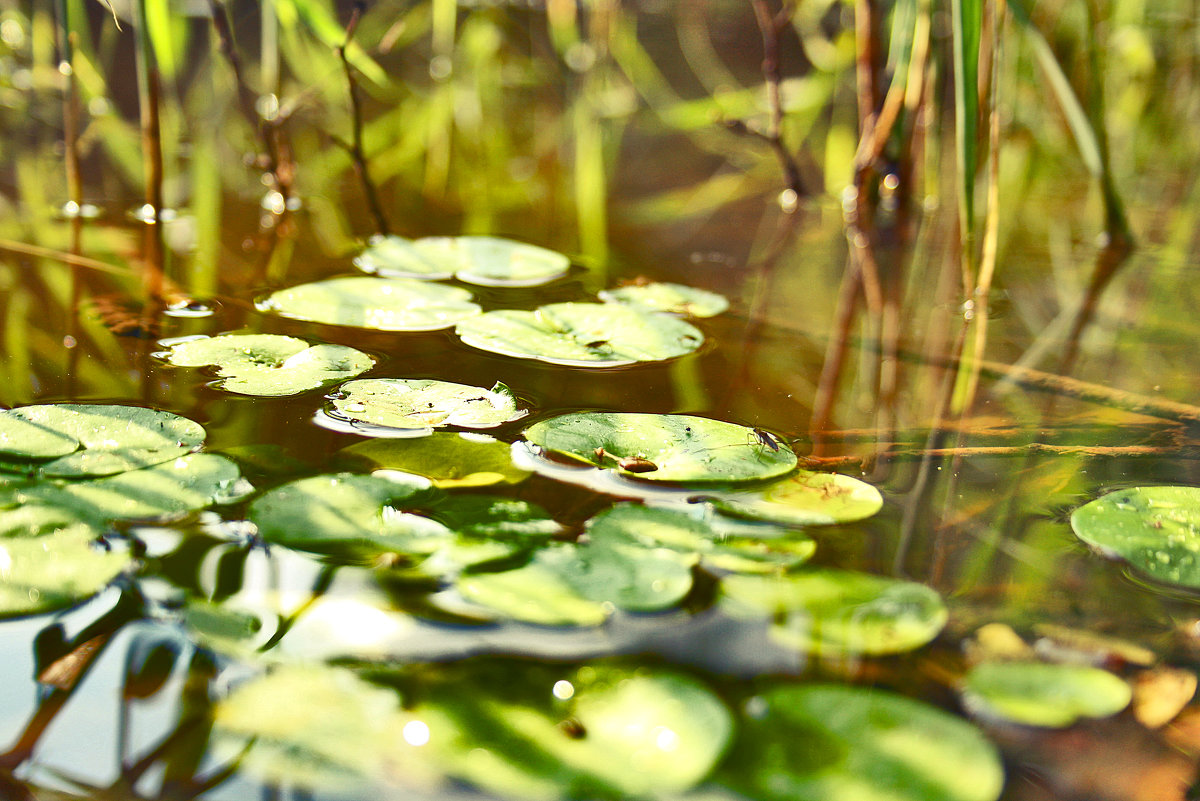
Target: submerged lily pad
x=419 y=404
x=664 y=447
x=670 y=298
x=1155 y=529
x=447 y=459
x=270 y=365
x=597 y=732
x=106 y=439
x=720 y=543
x=382 y=304
x=579 y=585
x=1043 y=694
x=483 y=260
x=805 y=499
x=839 y=612
x=55 y=571
x=858 y=744
x=582 y=334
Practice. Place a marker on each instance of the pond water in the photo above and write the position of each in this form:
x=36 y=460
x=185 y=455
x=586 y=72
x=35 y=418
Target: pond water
x=280 y=640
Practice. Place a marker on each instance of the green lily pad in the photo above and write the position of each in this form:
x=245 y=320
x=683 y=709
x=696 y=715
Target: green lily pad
x=447 y=459
x=107 y=439
x=1155 y=529
x=182 y=485
x=664 y=447
x=838 y=612
x=671 y=298
x=381 y=304
x=597 y=732
x=349 y=514
x=579 y=585
x=493 y=516
x=720 y=543
x=424 y=404
x=222 y=628
x=1043 y=694
x=805 y=499
x=858 y=744
x=582 y=334
x=55 y=571
x=344 y=733
x=270 y=365
x=483 y=260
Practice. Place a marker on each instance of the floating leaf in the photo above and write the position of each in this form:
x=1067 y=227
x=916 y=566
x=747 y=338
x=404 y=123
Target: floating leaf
x=494 y=517
x=483 y=260
x=1043 y=694
x=720 y=543
x=837 y=612
x=349 y=514
x=223 y=628
x=344 y=733
x=421 y=404
x=579 y=585
x=598 y=732
x=670 y=298
x=270 y=365
x=1155 y=529
x=858 y=744
x=447 y=459
x=382 y=304
x=107 y=438
x=805 y=499
x=664 y=447
x=54 y=571
x=582 y=334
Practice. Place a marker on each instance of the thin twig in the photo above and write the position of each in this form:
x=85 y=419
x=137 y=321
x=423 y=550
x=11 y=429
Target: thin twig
x=1111 y=451
x=355 y=149
x=771 y=26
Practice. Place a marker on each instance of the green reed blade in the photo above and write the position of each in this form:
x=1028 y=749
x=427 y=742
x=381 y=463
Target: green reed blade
x=967 y=22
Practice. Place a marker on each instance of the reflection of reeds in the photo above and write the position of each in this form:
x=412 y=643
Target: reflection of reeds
x=149 y=92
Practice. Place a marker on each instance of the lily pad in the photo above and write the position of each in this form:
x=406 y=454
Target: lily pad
x=838 y=612
x=858 y=744
x=55 y=571
x=671 y=298
x=107 y=439
x=381 y=304
x=805 y=499
x=1155 y=529
x=664 y=447
x=424 y=404
x=343 y=734
x=582 y=334
x=597 y=732
x=483 y=260
x=1043 y=694
x=270 y=365
x=720 y=543
x=580 y=585
x=447 y=459
x=349 y=514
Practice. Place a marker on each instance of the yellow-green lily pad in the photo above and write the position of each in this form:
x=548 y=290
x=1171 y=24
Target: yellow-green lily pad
x=55 y=571
x=671 y=298
x=269 y=365
x=482 y=260
x=446 y=458
x=1042 y=693
x=665 y=447
x=422 y=404
x=382 y=304
x=582 y=334
x=804 y=499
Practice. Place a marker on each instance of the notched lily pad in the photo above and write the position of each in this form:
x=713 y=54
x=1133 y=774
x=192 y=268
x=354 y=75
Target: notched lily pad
x=447 y=459
x=382 y=304
x=671 y=298
x=1043 y=694
x=482 y=260
x=838 y=612
x=580 y=585
x=1155 y=529
x=423 y=404
x=107 y=439
x=270 y=365
x=55 y=571
x=804 y=499
x=858 y=744
x=720 y=543
x=582 y=334
x=665 y=447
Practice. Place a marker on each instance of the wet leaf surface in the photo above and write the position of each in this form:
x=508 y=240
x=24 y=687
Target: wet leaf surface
x=1043 y=693
x=447 y=459
x=805 y=499
x=55 y=571
x=670 y=298
x=382 y=304
x=424 y=404
x=482 y=260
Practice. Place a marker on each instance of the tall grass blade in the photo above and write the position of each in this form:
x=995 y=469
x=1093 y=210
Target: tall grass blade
x=967 y=23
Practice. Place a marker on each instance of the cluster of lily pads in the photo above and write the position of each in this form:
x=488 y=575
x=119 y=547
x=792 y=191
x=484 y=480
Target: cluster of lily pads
x=720 y=514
